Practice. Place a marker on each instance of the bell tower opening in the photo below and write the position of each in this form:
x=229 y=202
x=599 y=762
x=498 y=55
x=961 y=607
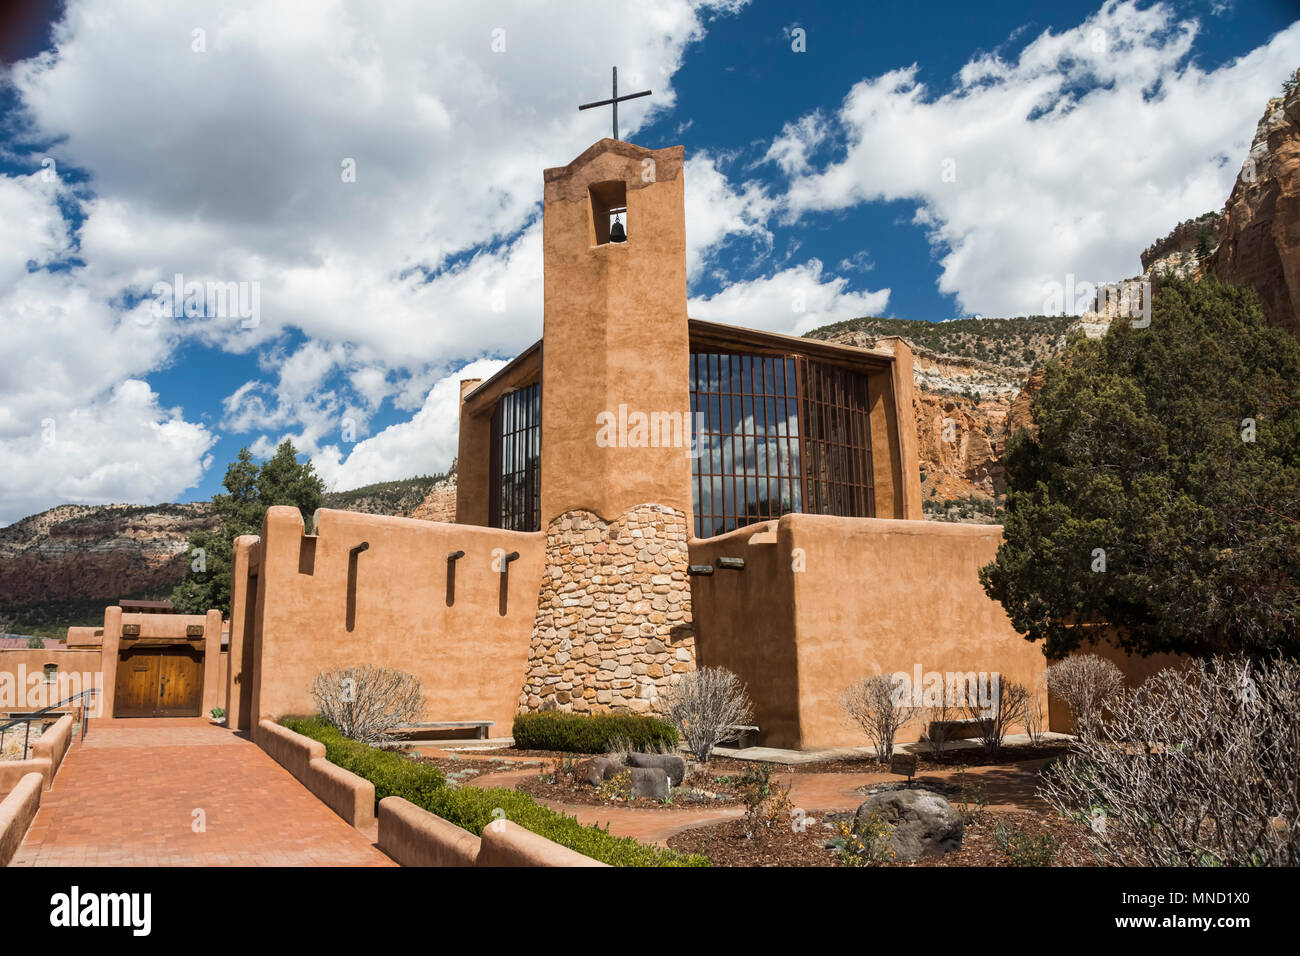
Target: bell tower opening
x=608 y=212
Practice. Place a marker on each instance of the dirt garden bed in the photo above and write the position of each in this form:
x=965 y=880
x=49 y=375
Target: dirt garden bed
x=703 y=787
x=727 y=843
x=949 y=759
x=459 y=770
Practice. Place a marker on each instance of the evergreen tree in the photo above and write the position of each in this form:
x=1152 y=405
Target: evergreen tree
x=1159 y=493
x=250 y=491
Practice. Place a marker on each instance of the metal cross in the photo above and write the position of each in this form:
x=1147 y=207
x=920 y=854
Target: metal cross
x=614 y=101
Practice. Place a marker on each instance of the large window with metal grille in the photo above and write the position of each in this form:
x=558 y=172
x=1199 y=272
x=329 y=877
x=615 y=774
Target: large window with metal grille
x=776 y=434
x=516 y=490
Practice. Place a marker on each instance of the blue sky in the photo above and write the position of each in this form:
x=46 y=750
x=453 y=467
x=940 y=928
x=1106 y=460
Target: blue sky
x=924 y=162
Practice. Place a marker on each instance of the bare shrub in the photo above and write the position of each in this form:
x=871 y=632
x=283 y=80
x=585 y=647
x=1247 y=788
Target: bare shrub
x=1195 y=767
x=992 y=721
x=366 y=703
x=1085 y=682
x=704 y=705
x=871 y=705
x=1035 y=716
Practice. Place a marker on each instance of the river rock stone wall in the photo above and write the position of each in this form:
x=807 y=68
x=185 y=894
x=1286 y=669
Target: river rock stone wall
x=613 y=628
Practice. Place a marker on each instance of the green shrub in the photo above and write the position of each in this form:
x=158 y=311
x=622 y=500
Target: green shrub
x=393 y=774
x=864 y=843
x=591 y=733
x=1024 y=849
x=473 y=808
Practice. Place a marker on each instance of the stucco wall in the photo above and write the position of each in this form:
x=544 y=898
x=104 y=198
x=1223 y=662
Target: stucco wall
x=238 y=680
x=744 y=621
x=470 y=657
x=28 y=666
x=615 y=332
x=874 y=596
x=17 y=810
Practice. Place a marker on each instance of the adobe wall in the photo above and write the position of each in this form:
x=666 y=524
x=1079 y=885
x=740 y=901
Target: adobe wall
x=904 y=446
x=745 y=622
x=873 y=596
x=469 y=655
x=17 y=811
x=22 y=681
x=473 y=458
x=614 y=613
x=238 y=682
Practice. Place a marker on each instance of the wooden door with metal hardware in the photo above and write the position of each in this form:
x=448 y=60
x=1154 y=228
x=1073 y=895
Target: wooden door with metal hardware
x=159 y=682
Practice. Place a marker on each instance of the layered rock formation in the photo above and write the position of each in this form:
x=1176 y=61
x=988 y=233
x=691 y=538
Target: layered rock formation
x=1183 y=252
x=966 y=407
x=79 y=552
x=440 y=502
x=1259 y=236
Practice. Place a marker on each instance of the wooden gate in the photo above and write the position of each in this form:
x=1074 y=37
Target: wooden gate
x=159 y=682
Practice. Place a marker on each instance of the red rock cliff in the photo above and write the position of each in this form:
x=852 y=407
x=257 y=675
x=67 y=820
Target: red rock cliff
x=1259 y=237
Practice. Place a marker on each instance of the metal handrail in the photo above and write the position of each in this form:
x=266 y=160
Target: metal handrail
x=38 y=714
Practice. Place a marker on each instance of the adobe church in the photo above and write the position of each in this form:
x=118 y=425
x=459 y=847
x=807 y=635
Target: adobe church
x=640 y=493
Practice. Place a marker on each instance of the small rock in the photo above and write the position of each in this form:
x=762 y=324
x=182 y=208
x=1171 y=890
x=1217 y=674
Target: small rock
x=649 y=782
x=670 y=764
x=596 y=770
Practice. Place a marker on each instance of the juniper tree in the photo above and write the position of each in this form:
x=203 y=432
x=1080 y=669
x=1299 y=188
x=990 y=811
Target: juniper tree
x=1159 y=490
x=250 y=491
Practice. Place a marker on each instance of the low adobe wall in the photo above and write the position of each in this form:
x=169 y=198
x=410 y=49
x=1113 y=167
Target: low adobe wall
x=54 y=743
x=17 y=811
x=415 y=837
x=508 y=844
x=47 y=753
x=399 y=603
x=12 y=771
x=350 y=796
x=409 y=834
x=823 y=601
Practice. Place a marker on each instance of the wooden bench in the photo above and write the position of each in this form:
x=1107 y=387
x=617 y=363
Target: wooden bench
x=480 y=727
x=963 y=728
x=742 y=737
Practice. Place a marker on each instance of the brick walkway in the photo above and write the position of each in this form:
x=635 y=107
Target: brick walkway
x=127 y=796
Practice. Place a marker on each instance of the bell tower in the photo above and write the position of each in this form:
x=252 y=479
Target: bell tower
x=615 y=332
x=613 y=628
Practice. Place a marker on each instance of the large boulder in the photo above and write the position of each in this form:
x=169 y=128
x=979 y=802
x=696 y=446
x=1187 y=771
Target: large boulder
x=649 y=782
x=923 y=822
x=670 y=764
x=596 y=770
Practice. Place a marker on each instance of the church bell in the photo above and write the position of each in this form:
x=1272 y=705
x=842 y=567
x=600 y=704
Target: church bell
x=616 y=232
